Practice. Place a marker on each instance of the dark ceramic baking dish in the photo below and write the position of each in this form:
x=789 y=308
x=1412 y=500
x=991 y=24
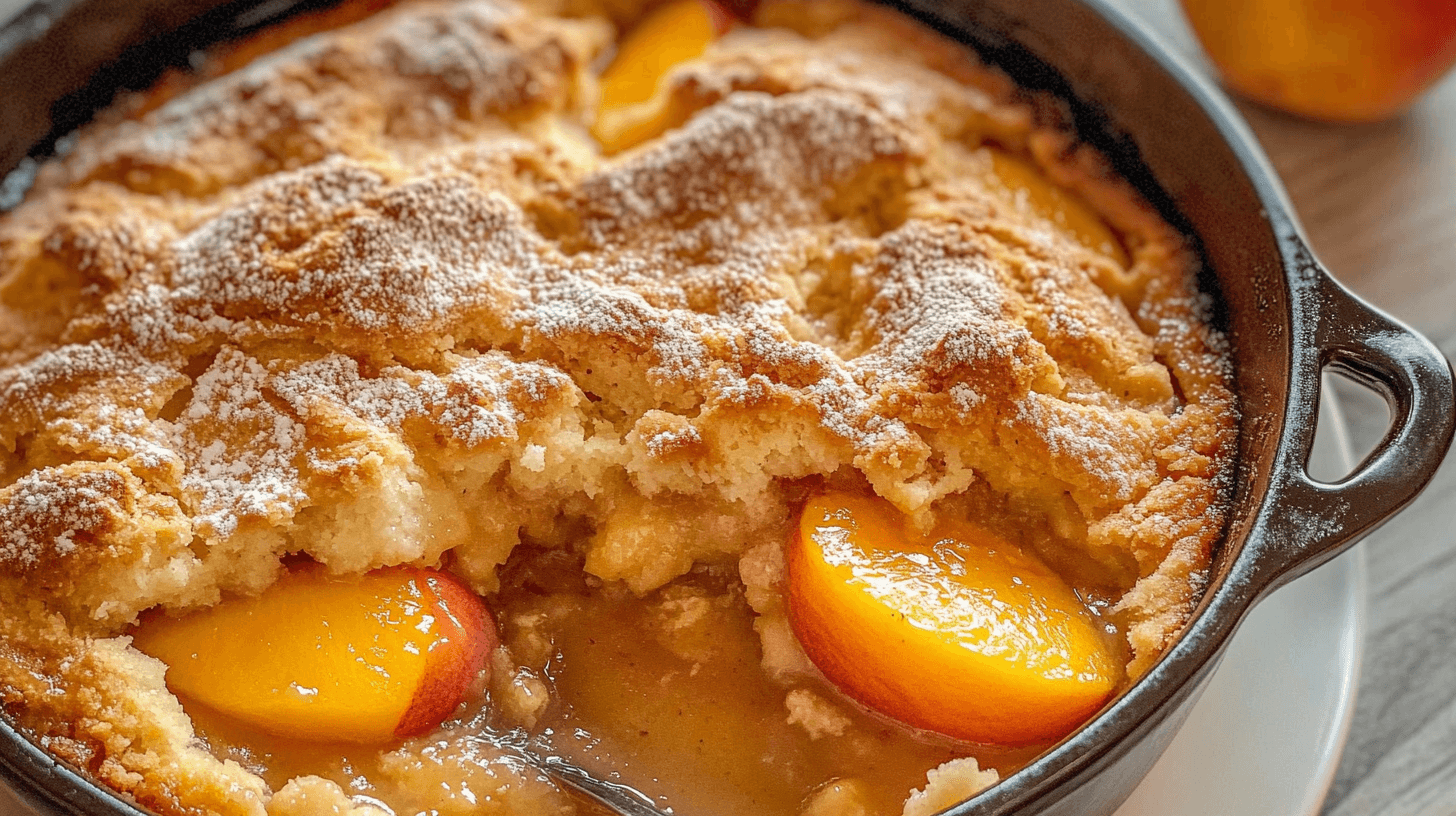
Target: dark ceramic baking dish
x=1167 y=131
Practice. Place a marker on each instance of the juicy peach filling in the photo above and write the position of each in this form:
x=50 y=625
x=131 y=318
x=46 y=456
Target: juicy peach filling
x=665 y=693
x=956 y=630
x=370 y=659
x=1017 y=657
x=630 y=110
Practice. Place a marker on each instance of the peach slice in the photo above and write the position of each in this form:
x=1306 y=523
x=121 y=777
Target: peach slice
x=1059 y=206
x=956 y=631
x=670 y=34
x=366 y=659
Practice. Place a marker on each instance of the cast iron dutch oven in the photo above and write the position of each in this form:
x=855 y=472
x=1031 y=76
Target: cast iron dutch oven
x=1168 y=132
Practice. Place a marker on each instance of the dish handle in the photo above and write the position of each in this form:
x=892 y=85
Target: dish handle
x=1307 y=522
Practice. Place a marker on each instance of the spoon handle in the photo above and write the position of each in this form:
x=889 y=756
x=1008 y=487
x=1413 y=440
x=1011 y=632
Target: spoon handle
x=617 y=798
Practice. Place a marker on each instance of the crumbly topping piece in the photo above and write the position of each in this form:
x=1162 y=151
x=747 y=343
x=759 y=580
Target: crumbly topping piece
x=456 y=774
x=46 y=510
x=310 y=795
x=955 y=781
x=816 y=715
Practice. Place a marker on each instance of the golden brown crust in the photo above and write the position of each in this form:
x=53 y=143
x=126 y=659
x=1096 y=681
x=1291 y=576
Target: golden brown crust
x=380 y=280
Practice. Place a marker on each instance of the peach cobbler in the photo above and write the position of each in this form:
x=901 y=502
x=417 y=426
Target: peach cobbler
x=776 y=412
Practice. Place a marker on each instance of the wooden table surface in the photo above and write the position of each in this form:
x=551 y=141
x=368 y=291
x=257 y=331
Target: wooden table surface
x=1378 y=203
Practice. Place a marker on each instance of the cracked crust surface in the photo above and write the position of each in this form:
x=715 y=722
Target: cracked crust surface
x=380 y=279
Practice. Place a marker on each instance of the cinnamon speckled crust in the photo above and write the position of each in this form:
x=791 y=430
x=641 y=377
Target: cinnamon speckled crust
x=377 y=298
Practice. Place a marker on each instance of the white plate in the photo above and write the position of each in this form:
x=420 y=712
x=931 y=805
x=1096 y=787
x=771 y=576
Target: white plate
x=1265 y=738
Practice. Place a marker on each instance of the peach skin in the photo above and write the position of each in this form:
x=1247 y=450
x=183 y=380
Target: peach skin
x=1337 y=60
x=367 y=659
x=956 y=631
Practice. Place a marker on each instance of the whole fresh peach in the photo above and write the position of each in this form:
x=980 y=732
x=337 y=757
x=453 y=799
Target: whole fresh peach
x=1336 y=60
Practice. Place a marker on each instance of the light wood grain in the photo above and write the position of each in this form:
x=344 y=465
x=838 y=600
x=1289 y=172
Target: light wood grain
x=1379 y=206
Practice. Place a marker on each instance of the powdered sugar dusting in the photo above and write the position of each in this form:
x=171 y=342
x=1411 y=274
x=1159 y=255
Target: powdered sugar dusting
x=1093 y=441
x=240 y=449
x=43 y=513
x=481 y=400
x=392 y=245
x=402 y=258
x=416 y=78
x=751 y=158
x=938 y=306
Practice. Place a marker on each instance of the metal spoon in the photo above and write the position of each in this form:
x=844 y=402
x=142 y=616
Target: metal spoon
x=617 y=798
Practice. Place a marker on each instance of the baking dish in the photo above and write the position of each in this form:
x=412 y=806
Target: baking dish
x=1286 y=320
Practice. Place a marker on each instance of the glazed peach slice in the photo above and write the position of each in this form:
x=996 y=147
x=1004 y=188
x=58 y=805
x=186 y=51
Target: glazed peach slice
x=629 y=110
x=1061 y=207
x=366 y=659
x=956 y=631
